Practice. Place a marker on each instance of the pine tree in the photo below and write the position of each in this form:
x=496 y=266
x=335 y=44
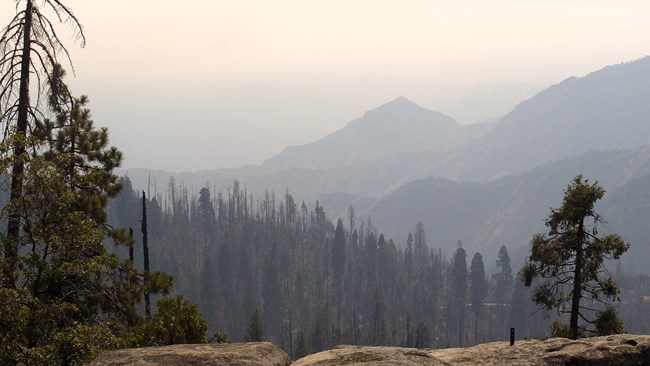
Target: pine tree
x=66 y=273
x=458 y=294
x=503 y=280
x=519 y=310
x=69 y=283
x=301 y=346
x=338 y=252
x=255 y=329
x=571 y=256
x=478 y=290
x=177 y=321
x=29 y=46
x=320 y=324
x=422 y=336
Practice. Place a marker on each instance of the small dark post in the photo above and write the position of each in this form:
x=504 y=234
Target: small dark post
x=512 y=336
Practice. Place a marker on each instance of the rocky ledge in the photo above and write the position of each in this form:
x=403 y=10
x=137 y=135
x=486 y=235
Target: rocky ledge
x=360 y=355
x=617 y=350
x=235 y=354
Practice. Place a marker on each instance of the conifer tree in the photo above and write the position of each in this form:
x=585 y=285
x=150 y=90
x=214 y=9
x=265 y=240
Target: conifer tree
x=177 y=321
x=255 y=329
x=301 y=346
x=319 y=333
x=69 y=283
x=503 y=280
x=338 y=251
x=458 y=294
x=571 y=257
x=422 y=336
x=29 y=46
x=519 y=309
x=478 y=290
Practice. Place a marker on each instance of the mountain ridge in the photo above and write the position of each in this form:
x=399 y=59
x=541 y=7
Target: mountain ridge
x=560 y=132
x=395 y=127
x=508 y=211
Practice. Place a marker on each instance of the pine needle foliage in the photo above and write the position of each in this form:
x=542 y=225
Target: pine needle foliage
x=570 y=258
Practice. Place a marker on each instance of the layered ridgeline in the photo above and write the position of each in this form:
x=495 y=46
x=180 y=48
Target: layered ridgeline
x=510 y=210
x=352 y=160
x=594 y=125
x=400 y=142
x=233 y=249
x=607 y=109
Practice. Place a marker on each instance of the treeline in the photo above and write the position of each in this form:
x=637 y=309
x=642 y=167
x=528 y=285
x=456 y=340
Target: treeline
x=316 y=284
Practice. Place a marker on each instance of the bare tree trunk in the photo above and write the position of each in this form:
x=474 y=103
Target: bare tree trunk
x=145 y=249
x=131 y=246
x=338 y=331
x=13 y=222
x=374 y=332
x=354 y=323
x=290 y=334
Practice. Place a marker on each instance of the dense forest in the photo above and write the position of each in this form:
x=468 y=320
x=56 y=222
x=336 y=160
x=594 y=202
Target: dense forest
x=317 y=284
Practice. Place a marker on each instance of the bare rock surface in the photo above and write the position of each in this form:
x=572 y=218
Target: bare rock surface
x=366 y=356
x=235 y=354
x=618 y=350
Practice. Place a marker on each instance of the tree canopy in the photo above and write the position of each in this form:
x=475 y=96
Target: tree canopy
x=60 y=274
x=570 y=258
x=29 y=47
x=177 y=321
x=66 y=296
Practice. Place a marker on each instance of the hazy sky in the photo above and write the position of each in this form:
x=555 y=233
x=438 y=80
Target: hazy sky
x=194 y=71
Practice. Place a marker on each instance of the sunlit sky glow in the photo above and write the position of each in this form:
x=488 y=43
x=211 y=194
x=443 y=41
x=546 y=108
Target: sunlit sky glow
x=310 y=66
x=446 y=41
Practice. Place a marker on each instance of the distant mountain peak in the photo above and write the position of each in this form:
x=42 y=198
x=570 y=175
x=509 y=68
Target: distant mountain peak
x=396 y=127
x=401 y=100
x=398 y=104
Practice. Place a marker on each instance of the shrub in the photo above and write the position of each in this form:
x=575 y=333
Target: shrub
x=177 y=321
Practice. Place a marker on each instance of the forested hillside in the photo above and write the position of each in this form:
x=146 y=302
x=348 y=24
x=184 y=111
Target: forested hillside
x=317 y=281
x=317 y=284
x=580 y=125
x=510 y=210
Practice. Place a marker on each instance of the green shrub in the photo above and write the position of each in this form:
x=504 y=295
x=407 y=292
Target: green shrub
x=176 y=321
x=607 y=322
x=220 y=337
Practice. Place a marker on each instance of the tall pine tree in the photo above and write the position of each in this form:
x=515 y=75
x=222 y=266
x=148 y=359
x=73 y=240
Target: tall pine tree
x=477 y=290
x=29 y=46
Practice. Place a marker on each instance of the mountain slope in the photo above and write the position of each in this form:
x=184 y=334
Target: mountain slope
x=509 y=211
x=607 y=109
x=393 y=128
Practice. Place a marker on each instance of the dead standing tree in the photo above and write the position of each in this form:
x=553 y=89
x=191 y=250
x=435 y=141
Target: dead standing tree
x=29 y=47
